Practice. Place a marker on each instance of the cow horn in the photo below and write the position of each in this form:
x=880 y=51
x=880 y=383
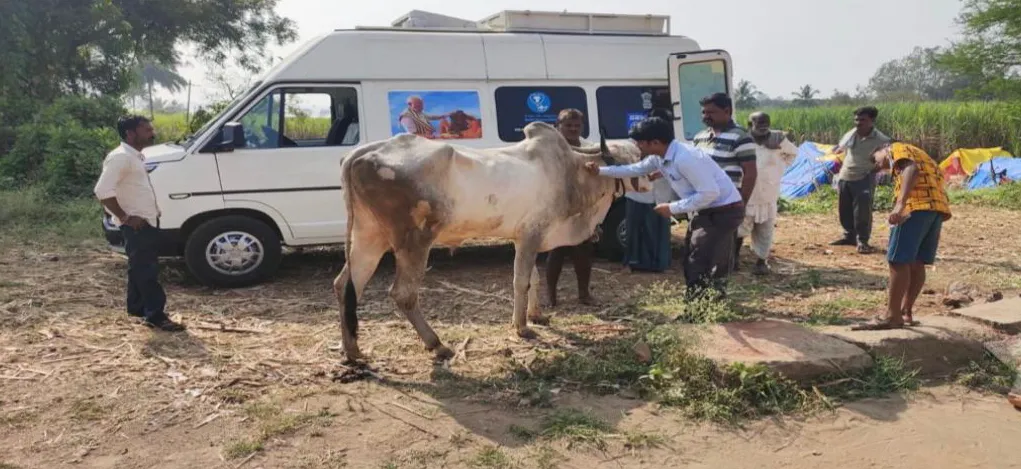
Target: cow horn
x=602 y=142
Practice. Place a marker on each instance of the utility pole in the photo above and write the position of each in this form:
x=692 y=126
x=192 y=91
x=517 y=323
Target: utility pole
x=187 y=107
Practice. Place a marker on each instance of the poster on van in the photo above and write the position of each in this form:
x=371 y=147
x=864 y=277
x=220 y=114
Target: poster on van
x=436 y=114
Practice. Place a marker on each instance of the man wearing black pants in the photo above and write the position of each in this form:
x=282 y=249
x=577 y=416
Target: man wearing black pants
x=706 y=193
x=126 y=193
x=571 y=123
x=856 y=182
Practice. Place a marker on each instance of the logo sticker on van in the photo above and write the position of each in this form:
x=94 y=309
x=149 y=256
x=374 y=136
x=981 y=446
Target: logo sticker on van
x=539 y=102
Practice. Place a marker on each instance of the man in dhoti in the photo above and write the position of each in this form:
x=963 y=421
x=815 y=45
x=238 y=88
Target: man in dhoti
x=774 y=153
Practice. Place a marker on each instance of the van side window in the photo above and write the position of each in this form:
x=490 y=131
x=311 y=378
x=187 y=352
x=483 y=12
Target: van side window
x=516 y=106
x=620 y=107
x=303 y=117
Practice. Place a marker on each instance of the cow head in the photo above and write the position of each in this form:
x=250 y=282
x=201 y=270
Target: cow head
x=620 y=152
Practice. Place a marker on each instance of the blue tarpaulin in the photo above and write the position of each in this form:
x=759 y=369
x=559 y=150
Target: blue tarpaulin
x=807 y=172
x=983 y=176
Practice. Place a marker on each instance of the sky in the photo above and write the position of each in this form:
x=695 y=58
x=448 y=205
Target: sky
x=778 y=45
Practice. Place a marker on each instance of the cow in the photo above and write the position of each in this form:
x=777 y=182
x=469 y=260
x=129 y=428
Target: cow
x=408 y=193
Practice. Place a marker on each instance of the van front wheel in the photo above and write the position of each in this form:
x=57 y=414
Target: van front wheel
x=232 y=251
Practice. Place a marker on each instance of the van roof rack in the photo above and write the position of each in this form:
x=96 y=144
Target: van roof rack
x=528 y=21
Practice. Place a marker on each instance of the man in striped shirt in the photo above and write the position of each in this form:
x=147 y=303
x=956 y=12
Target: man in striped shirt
x=730 y=146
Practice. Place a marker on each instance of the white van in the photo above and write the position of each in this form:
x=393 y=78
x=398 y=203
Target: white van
x=265 y=172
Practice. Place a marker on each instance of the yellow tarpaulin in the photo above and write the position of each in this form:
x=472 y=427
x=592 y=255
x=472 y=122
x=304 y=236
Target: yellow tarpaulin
x=828 y=155
x=967 y=159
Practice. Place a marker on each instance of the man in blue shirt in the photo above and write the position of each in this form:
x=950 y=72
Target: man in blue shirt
x=714 y=205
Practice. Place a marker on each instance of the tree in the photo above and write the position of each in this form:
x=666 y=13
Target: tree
x=149 y=73
x=52 y=48
x=917 y=76
x=805 y=96
x=745 y=96
x=990 y=54
x=841 y=98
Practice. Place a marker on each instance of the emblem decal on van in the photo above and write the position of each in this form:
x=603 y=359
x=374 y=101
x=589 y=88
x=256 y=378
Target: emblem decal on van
x=539 y=102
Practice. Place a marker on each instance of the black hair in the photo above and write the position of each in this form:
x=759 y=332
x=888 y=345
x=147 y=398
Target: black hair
x=720 y=100
x=129 y=122
x=652 y=128
x=661 y=113
x=869 y=111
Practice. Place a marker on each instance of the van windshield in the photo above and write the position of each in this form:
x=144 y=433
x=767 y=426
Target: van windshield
x=191 y=139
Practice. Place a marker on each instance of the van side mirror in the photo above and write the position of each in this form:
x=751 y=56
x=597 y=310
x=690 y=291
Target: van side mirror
x=232 y=136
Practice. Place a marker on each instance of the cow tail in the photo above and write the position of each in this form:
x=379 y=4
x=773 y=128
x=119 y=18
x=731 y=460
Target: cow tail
x=350 y=295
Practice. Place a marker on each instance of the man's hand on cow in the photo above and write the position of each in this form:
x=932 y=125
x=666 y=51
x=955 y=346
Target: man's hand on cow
x=664 y=211
x=655 y=175
x=592 y=167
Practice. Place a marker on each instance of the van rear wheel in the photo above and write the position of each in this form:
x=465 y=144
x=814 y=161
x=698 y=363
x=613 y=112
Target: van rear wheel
x=232 y=251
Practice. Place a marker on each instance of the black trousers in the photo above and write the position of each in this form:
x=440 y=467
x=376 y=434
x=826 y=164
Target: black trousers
x=145 y=294
x=855 y=208
x=710 y=248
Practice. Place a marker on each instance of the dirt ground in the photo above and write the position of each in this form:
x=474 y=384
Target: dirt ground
x=251 y=384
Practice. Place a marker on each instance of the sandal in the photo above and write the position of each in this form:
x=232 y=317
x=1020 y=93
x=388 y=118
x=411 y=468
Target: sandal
x=877 y=326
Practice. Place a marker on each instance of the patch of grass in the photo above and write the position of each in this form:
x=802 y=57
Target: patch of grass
x=668 y=300
x=237 y=449
x=823 y=200
x=987 y=375
x=808 y=280
x=491 y=457
x=640 y=440
x=330 y=460
x=522 y=433
x=460 y=439
x=29 y=215
x=547 y=457
x=576 y=427
x=4 y=465
x=887 y=376
x=831 y=313
x=17 y=419
x=1006 y=196
x=87 y=410
x=274 y=422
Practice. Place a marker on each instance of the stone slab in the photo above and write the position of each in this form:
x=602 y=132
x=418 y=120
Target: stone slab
x=794 y=351
x=1007 y=351
x=1003 y=315
x=938 y=346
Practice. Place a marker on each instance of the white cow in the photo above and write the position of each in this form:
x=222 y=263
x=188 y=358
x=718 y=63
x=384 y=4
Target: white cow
x=408 y=193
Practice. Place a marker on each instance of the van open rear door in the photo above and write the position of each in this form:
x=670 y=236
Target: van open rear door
x=693 y=76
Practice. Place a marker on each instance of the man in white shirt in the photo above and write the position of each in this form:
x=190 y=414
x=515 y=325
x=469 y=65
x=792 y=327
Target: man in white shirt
x=773 y=154
x=126 y=193
x=709 y=197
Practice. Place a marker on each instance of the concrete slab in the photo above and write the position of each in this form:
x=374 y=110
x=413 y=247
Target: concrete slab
x=1004 y=315
x=1007 y=351
x=795 y=351
x=937 y=347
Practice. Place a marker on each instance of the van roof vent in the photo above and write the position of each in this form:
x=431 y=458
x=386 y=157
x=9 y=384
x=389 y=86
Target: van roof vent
x=578 y=23
x=527 y=21
x=418 y=19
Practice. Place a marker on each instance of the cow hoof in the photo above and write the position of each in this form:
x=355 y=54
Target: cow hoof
x=443 y=353
x=527 y=333
x=539 y=320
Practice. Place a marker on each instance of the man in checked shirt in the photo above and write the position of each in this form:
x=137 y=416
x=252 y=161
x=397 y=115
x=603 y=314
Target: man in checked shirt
x=730 y=146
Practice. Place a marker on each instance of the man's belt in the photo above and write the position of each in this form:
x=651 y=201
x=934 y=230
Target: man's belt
x=721 y=208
